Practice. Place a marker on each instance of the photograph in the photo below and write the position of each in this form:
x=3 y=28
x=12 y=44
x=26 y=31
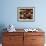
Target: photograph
x=25 y=14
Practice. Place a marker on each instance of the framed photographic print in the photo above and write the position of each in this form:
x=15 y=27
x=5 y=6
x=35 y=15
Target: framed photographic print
x=26 y=14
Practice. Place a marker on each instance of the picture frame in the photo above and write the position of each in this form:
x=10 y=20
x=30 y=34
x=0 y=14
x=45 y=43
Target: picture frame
x=26 y=14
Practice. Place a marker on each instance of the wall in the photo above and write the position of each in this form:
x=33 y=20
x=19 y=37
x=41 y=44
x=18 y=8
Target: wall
x=8 y=13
